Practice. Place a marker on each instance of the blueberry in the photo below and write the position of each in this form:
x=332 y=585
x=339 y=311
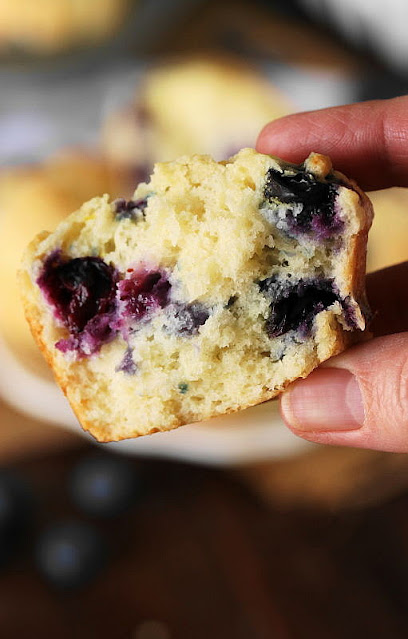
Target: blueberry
x=70 y=554
x=300 y=186
x=143 y=292
x=295 y=307
x=313 y=203
x=274 y=288
x=104 y=485
x=15 y=513
x=186 y=319
x=349 y=313
x=129 y=209
x=82 y=292
x=183 y=388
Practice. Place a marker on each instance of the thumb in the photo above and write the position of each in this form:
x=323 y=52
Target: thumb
x=359 y=398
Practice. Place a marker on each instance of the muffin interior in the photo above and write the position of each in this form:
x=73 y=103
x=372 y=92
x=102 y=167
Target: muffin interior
x=207 y=291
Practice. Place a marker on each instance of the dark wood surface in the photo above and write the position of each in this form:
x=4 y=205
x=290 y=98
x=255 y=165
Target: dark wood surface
x=201 y=557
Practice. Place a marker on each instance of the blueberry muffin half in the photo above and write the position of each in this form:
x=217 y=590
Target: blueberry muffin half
x=212 y=289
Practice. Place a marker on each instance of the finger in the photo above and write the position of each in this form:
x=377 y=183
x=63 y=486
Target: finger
x=359 y=398
x=387 y=295
x=367 y=141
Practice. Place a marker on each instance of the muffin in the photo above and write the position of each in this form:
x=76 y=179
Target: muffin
x=48 y=26
x=200 y=105
x=210 y=291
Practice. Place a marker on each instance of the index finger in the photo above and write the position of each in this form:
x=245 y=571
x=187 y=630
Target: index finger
x=368 y=141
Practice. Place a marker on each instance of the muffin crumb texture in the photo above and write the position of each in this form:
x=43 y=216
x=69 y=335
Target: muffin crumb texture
x=209 y=291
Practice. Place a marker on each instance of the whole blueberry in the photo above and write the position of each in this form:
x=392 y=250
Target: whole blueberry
x=104 y=485
x=294 y=306
x=79 y=288
x=15 y=513
x=317 y=216
x=70 y=554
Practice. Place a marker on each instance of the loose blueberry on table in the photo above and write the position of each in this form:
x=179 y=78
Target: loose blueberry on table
x=69 y=554
x=103 y=485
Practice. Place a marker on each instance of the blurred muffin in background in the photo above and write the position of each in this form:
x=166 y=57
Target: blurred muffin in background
x=33 y=199
x=191 y=106
x=48 y=26
x=388 y=238
x=377 y=27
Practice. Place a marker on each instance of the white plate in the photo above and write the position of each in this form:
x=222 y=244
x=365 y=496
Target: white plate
x=255 y=434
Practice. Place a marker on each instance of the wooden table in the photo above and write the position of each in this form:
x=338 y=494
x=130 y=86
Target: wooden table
x=201 y=557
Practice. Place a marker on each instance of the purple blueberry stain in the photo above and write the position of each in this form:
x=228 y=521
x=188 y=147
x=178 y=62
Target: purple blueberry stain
x=100 y=330
x=350 y=315
x=129 y=209
x=143 y=292
x=186 y=319
x=301 y=205
x=127 y=365
x=70 y=344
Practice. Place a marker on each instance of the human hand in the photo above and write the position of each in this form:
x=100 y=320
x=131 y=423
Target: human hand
x=358 y=398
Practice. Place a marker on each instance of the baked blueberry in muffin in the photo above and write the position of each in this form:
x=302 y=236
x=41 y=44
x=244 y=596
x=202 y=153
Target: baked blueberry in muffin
x=212 y=289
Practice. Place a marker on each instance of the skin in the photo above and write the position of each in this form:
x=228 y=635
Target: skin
x=359 y=398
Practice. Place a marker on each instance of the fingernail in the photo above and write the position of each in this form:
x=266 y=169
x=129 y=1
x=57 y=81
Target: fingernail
x=329 y=399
